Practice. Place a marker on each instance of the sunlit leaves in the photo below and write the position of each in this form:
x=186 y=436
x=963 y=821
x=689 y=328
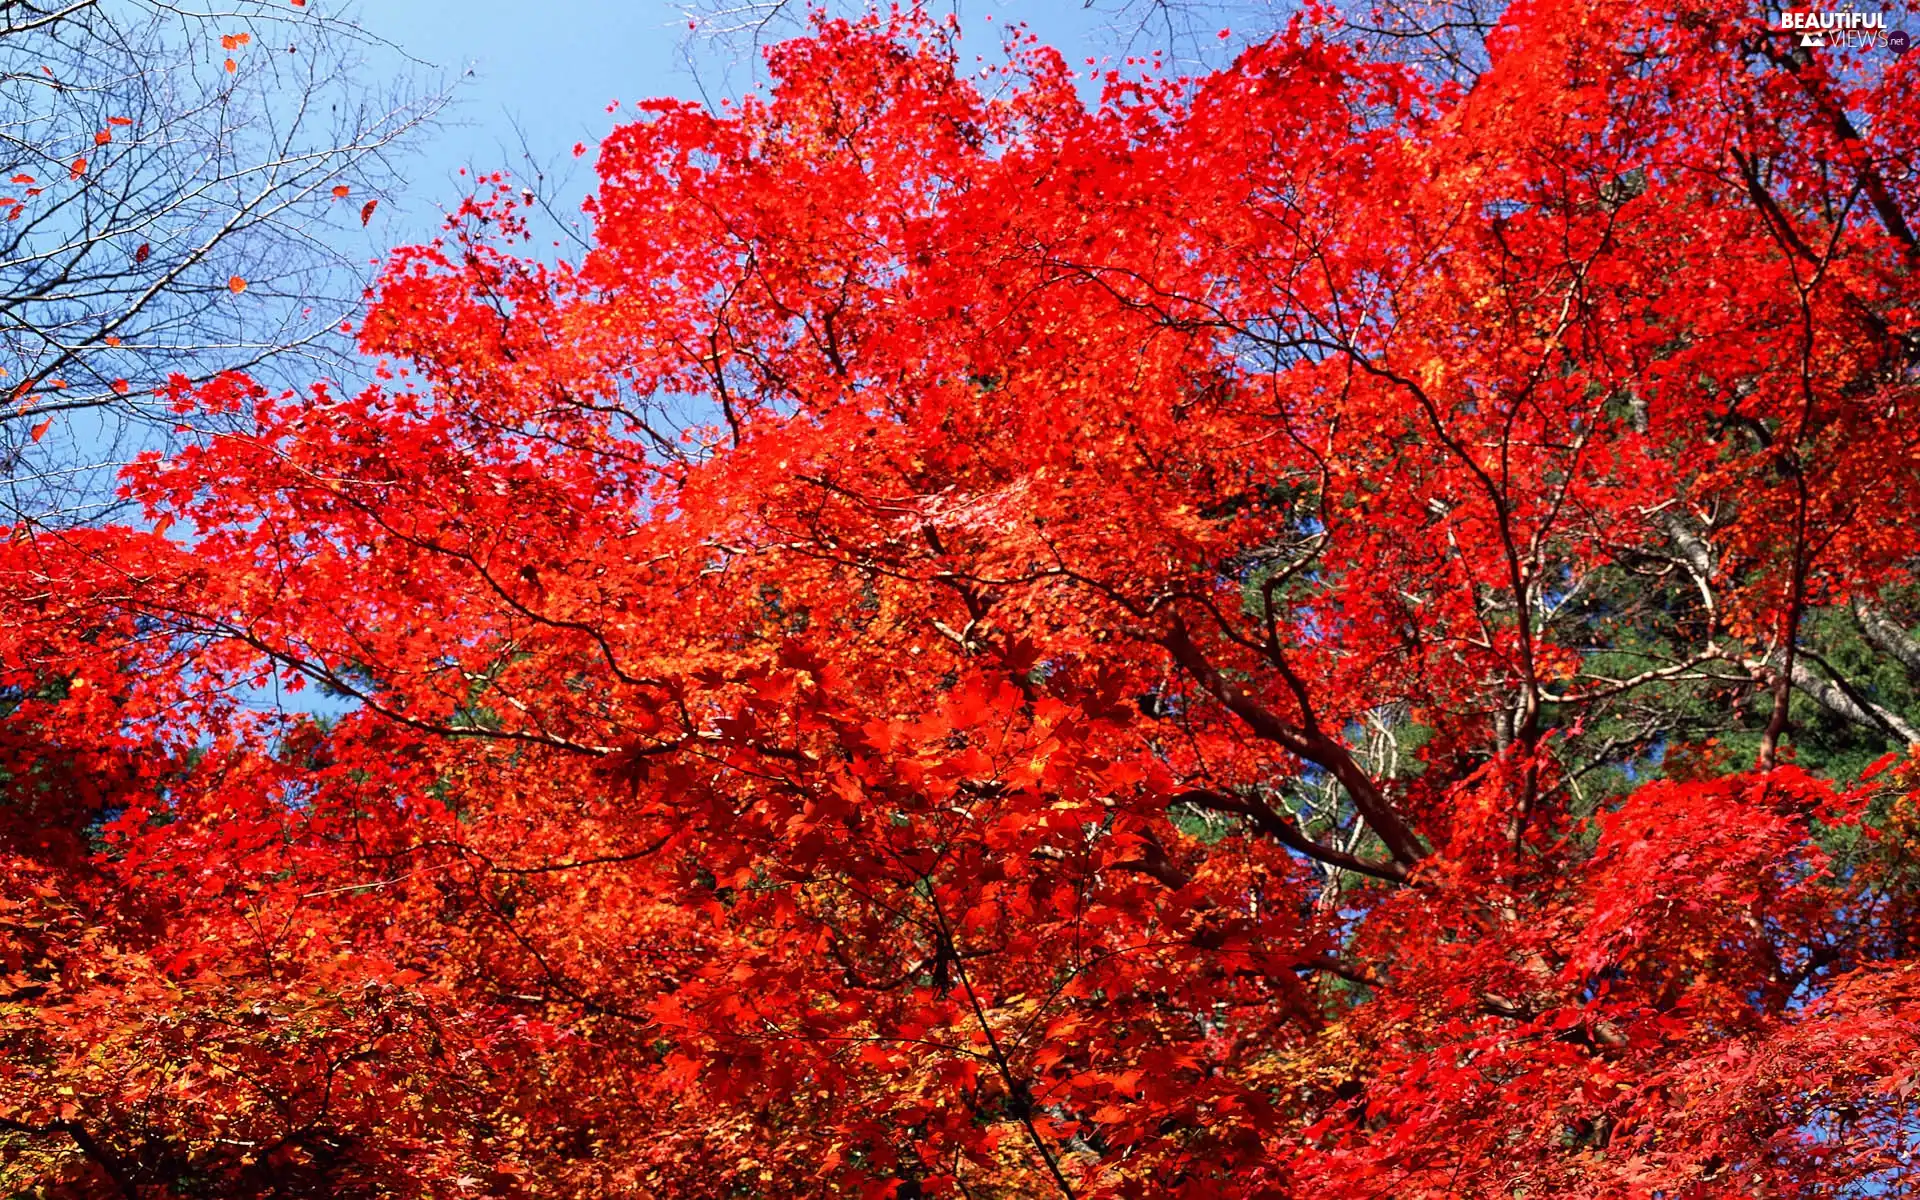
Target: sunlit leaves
x=1211 y=644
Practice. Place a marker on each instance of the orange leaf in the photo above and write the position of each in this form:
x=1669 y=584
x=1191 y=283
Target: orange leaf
x=119 y=120
x=113 y=339
x=23 y=179
x=120 y=386
x=236 y=285
x=103 y=137
x=366 y=211
x=232 y=66
x=78 y=169
x=341 y=191
x=39 y=431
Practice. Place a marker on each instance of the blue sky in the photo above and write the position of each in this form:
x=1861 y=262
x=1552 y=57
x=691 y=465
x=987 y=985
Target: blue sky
x=550 y=67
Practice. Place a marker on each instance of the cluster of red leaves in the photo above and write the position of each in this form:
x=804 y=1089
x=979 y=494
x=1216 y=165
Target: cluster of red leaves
x=838 y=674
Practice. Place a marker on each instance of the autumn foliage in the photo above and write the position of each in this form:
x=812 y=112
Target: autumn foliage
x=1307 y=630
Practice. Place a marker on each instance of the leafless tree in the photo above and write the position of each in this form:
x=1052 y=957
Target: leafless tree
x=183 y=186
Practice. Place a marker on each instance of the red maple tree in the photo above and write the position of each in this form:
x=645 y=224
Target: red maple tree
x=1277 y=634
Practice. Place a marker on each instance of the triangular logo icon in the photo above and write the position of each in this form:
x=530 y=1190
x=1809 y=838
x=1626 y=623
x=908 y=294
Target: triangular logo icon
x=1812 y=39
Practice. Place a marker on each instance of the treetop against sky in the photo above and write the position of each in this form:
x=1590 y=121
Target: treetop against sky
x=1338 y=620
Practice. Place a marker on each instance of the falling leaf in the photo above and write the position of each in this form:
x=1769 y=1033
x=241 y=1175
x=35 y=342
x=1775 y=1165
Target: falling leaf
x=78 y=169
x=236 y=285
x=232 y=66
x=121 y=386
x=39 y=431
x=341 y=191
x=119 y=120
x=366 y=211
x=140 y=255
x=103 y=137
x=23 y=179
x=113 y=339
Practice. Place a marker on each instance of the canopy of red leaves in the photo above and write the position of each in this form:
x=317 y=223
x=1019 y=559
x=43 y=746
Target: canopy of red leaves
x=983 y=644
